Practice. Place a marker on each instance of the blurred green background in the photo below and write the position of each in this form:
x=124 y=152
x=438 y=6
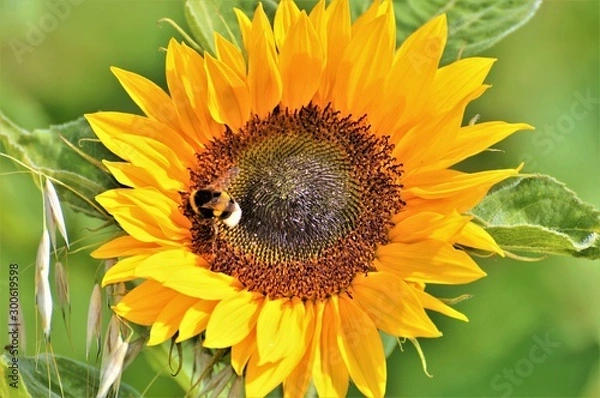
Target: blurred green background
x=534 y=327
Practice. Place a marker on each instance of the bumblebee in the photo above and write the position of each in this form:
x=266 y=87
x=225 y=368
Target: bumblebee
x=213 y=201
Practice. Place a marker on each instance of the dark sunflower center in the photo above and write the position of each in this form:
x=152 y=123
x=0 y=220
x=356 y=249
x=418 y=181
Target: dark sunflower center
x=316 y=191
x=297 y=195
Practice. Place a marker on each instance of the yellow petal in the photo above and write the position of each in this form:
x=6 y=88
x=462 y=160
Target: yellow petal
x=409 y=84
x=330 y=373
x=455 y=81
x=143 y=304
x=261 y=27
x=196 y=86
x=130 y=175
x=458 y=202
x=476 y=237
x=318 y=18
x=242 y=351
x=158 y=264
x=151 y=99
x=195 y=319
x=168 y=320
x=474 y=139
x=185 y=272
x=446 y=183
x=333 y=29
x=428 y=225
x=286 y=15
x=301 y=62
x=432 y=303
x=338 y=28
x=430 y=139
x=360 y=345
x=260 y=379
x=124 y=246
x=140 y=177
x=232 y=320
x=428 y=261
x=201 y=283
x=245 y=26
x=176 y=80
x=181 y=81
x=117 y=124
x=231 y=55
x=264 y=79
x=228 y=97
x=364 y=20
x=392 y=306
x=420 y=53
x=297 y=383
x=359 y=79
x=144 y=151
x=278 y=325
x=124 y=270
x=147 y=215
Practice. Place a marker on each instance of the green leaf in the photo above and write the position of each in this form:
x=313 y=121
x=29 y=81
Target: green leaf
x=11 y=382
x=389 y=343
x=538 y=214
x=474 y=25
x=67 y=153
x=37 y=378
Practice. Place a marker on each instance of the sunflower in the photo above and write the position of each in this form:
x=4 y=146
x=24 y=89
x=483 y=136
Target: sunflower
x=335 y=147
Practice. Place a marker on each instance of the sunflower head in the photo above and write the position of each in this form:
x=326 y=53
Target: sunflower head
x=335 y=148
x=316 y=193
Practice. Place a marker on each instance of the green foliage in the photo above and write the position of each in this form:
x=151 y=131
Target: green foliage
x=474 y=25
x=38 y=378
x=68 y=153
x=390 y=343
x=11 y=382
x=538 y=214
